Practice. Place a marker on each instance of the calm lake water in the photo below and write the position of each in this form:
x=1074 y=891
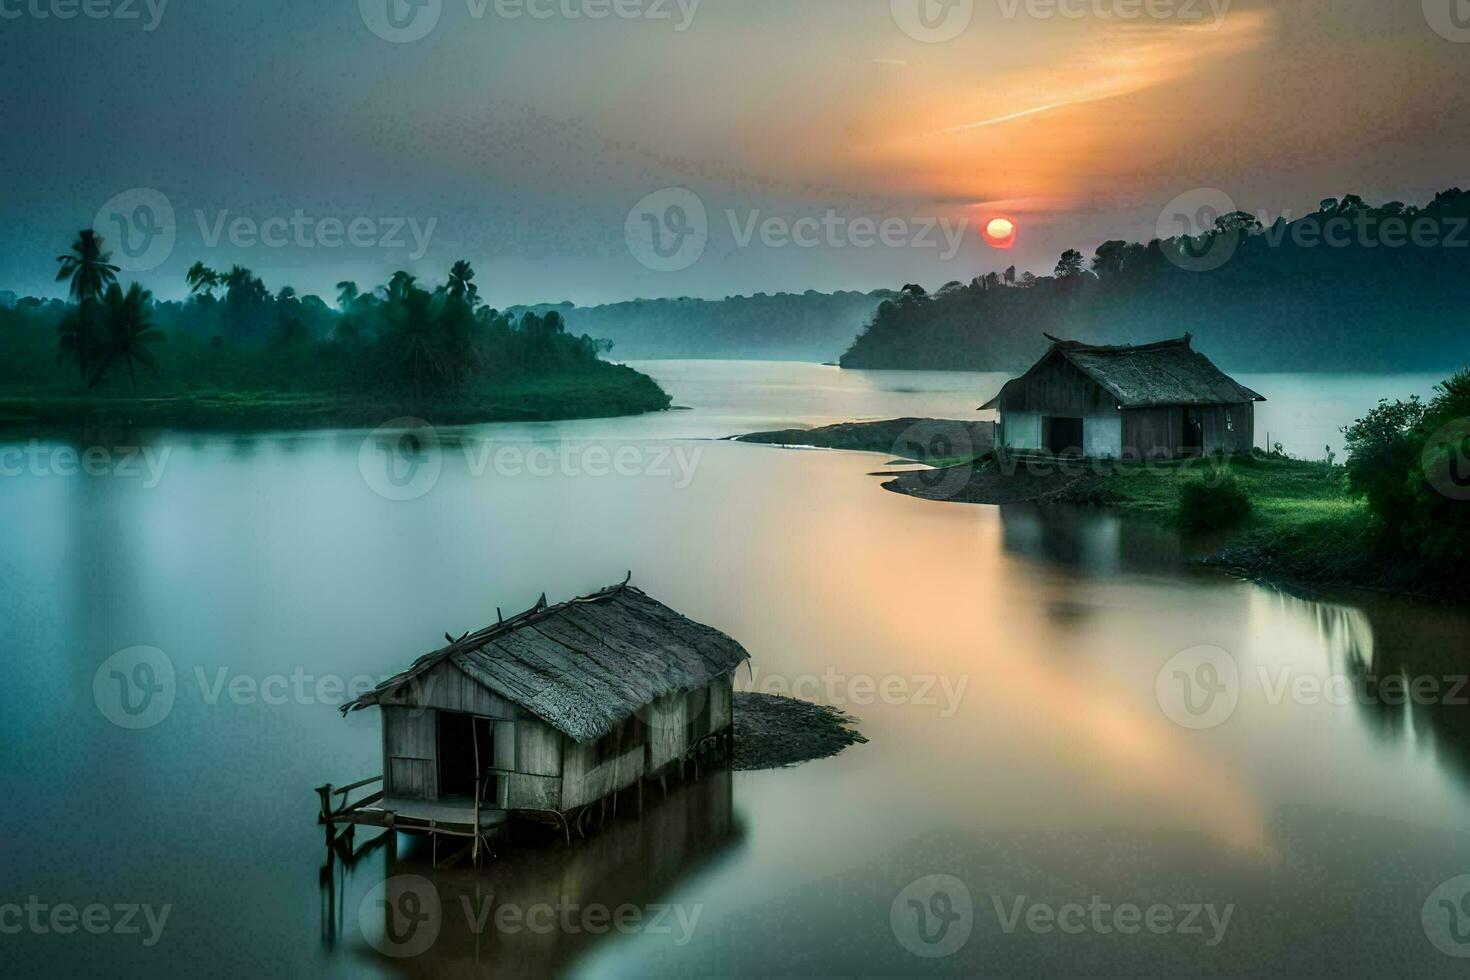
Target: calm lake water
x=1047 y=732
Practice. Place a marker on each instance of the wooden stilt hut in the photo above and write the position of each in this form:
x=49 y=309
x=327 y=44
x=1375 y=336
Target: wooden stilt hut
x=548 y=714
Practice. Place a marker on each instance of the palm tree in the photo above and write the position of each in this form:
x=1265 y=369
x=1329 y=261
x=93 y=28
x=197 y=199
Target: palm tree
x=87 y=267
x=246 y=304
x=414 y=331
x=90 y=272
x=399 y=288
x=462 y=286
x=202 y=279
x=346 y=294
x=80 y=337
x=129 y=331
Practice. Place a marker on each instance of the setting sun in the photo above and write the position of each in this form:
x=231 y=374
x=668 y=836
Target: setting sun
x=1000 y=233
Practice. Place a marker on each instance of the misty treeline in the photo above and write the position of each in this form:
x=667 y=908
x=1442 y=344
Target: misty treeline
x=403 y=337
x=808 y=326
x=1352 y=286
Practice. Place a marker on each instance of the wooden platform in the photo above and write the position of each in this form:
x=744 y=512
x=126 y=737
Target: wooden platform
x=444 y=814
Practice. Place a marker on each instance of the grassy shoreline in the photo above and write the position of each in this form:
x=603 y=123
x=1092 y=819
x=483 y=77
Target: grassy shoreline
x=45 y=411
x=1305 y=530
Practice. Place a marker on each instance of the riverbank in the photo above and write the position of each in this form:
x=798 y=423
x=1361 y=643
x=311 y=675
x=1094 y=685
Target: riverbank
x=773 y=732
x=1305 y=530
x=614 y=390
x=935 y=441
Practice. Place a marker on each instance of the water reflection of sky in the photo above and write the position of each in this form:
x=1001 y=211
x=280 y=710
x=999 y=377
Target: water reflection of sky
x=1054 y=773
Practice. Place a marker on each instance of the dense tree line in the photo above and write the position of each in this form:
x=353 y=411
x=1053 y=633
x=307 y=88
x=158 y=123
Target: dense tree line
x=400 y=339
x=1351 y=286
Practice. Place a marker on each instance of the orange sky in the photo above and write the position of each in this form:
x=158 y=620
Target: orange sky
x=528 y=140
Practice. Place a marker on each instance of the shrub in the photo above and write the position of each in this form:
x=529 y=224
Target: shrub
x=1212 y=504
x=1412 y=463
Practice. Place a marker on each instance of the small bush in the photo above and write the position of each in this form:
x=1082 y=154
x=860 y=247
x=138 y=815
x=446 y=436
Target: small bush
x=1212 y=504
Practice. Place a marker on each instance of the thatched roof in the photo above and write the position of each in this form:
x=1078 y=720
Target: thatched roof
x=1170 y=372
x=586 y=665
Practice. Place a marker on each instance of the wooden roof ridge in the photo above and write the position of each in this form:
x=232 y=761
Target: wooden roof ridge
x=1165 y=372
x=1186 y=341
x=584 y=665
x=481 y=638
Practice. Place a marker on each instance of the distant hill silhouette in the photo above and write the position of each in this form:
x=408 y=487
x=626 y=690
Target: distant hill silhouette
x=1350 y=287
x=808 y=326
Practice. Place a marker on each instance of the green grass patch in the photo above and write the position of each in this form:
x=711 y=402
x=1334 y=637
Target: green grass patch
x=1304 y=525
x=612 y=391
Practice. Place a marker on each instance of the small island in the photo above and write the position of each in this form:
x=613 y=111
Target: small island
x=776 y=732
x=236 y=356
x=928 y=440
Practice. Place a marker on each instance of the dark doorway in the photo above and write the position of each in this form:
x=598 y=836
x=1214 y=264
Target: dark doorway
x=1193 y=442
x=1063 y=436
x=466 y=750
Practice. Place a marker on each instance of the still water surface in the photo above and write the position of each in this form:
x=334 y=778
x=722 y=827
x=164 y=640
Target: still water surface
x=1018 y=745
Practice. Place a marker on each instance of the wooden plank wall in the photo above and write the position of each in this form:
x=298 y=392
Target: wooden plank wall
x=550 y=770
x=448 y=687
x=721 y=703
x=1058 y=388
x=667 y=722
x=526 y=792
x=1152 y=432
x=523 y=743
x=410 y=753
x=1230 y=428
x=582 y=782
x=537 y=748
